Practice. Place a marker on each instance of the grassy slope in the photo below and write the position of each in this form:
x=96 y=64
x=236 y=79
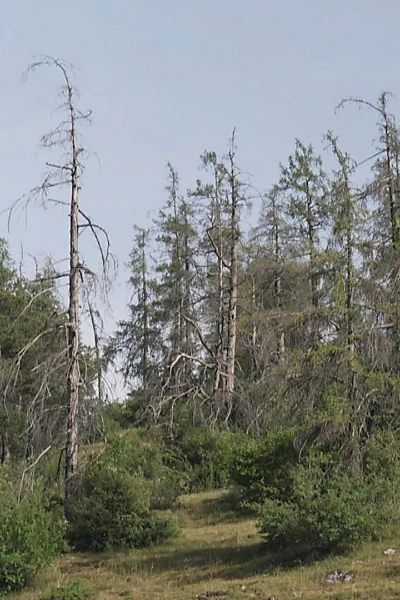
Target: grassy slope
x=219 y=554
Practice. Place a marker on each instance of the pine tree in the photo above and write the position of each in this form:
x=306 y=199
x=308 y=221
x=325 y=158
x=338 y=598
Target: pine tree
x=176 y=270
x=138 y=339
x=349 y=221
x=305 y=184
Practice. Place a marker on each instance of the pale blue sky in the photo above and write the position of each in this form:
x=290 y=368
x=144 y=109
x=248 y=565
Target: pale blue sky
x=167 y=79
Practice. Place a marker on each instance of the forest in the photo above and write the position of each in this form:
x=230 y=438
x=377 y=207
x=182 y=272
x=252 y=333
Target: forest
x=260 y=353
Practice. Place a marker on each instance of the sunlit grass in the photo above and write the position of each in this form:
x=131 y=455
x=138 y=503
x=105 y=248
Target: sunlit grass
x=221 y=555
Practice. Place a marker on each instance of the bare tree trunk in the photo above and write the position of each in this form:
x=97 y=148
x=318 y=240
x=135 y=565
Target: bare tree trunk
x=219 y=380
x=232 y=321
x=186 y=299
x=100 y=386
x=254 y=360
x=5 y=448
x=179 y=338
x=278 y=278
x=223 y=234
x=313 y=275
x=71 y=450
x=390 y=150
x=312 y=248
x=233 y=278
x=145 y=351
x=67 y=174
x=394 y=214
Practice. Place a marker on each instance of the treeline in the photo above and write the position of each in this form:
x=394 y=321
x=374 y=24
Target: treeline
x=262 y=359
x=296 y=320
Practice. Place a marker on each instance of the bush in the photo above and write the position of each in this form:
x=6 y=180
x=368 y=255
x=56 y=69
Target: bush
x=208 y=455
x=128 y=452
x=112 y=510
x=326 y=513
x=72 y=591
x=263 y=468
x=30 y=537
x=200 y=459
x=382 y=455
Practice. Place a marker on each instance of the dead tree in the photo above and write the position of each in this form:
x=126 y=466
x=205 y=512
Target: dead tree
x=234 y=203
x=388 y=183
x=67 y=174
x=226 y=200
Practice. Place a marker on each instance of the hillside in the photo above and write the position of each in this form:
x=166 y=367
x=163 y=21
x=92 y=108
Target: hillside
x=217 y=556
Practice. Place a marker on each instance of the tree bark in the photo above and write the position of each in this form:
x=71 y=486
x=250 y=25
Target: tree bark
x=71 y=450
x=100 y=386
x=5 y=448
x=278 y=278
x=219 y=381
x=233 y=280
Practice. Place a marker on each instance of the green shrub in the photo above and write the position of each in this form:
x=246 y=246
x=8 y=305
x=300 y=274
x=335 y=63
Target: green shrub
x=30 y=537
x=112 y=510
x=200 y=459
x=72 y=591
x=263 y=468
x=128 y=452
x=208 y=456
x=327 y=512
x=165 y=489
x=382 y=455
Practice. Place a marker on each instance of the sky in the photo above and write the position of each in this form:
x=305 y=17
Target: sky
x=168 y=79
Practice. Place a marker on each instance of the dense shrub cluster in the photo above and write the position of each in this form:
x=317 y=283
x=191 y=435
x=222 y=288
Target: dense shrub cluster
x=31 y=535
x=323 y=514
x=308 y=502
x=208 y=455
x=112 y=509
x=197 y=459
x=261 y=468
x=152 y=461
x=116 y=506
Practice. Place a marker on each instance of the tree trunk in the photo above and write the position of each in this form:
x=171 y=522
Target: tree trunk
x=278 y=278
x=144 y=301
x=186 y=299
x=254 y=360
x=219 y=381
x=71 y=450
x=233 y=290
x=356 y=421
x=100 y=387
x=232 y=321
x=313 y=276
x=65 y=136
x=5 y=448
x=394 y=217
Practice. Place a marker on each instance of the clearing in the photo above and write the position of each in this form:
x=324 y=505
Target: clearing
x=219 y=556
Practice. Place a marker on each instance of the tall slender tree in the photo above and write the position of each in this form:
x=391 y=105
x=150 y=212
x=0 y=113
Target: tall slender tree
x=138 y=339
x=305 y=183
x=224 y=198
x=68 y=174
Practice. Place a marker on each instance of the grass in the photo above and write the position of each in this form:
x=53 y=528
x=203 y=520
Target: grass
x=219 y=556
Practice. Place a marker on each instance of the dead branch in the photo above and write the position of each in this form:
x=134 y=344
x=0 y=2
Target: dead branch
x=31 y=466
x=199 y=334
